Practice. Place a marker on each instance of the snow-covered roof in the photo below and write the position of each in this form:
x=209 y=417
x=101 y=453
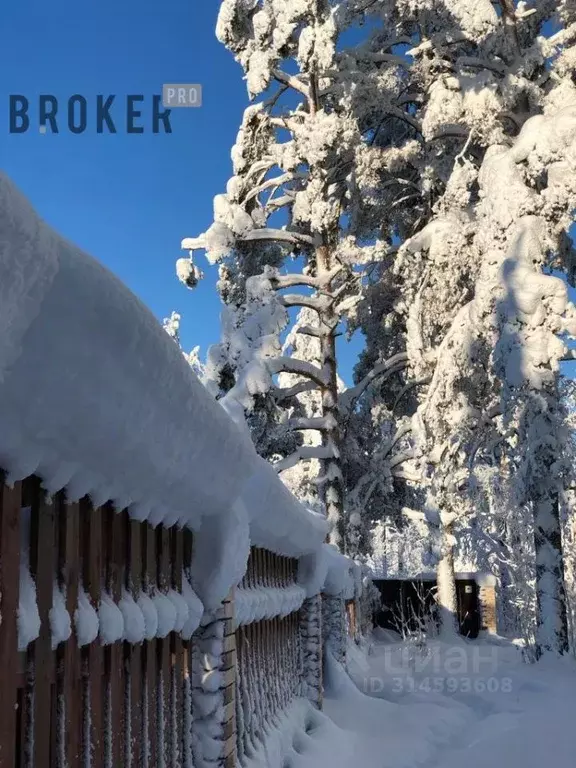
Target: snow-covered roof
x=95 y=397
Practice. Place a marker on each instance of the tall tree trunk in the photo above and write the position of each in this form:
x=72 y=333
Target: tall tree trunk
x=331 y=490
x=446 y=584
x=552 y=620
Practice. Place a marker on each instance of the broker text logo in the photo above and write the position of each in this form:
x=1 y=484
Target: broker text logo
x=78 y=114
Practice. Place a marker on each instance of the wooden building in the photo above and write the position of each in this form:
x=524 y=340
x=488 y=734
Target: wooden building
x=410 y=603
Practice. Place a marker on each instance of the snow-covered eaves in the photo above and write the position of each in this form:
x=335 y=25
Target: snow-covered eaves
x=96 y=398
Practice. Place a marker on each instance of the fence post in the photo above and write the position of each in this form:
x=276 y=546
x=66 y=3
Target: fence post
x=10 y=503
x=92 y=657
x=40 y=654
x=214 y=671
x=311 y=642
x=68 y=654
x=133 y=583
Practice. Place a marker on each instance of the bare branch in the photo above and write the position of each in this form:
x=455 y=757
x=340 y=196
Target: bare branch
x=401 y=115
x=390 y=58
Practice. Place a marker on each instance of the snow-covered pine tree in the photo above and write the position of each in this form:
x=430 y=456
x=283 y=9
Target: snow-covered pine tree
x=305 y=189
x=172 y=327
x=490 y=170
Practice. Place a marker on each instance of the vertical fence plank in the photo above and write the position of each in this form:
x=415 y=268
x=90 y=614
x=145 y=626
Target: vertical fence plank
x=92 y=664
x=10 y=503
x=149 y=656
x=164 y=677
x=176 y=651
x=187 y=546
x=114 y=653
x=42 y=559
x=69 y=684
x=25 y=737
x=134 y=580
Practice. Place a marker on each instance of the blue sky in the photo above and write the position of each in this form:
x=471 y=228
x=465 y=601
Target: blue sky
x=126 y=199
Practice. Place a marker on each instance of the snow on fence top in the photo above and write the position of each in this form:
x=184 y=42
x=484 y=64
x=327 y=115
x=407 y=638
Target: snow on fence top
x=277 y=520
x=95 y=397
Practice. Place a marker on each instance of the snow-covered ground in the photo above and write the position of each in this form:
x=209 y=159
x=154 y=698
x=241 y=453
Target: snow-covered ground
x=473 y=704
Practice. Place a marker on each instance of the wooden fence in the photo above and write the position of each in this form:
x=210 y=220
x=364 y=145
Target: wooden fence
x=110 y=702
x=269 y=657
x=96 y=705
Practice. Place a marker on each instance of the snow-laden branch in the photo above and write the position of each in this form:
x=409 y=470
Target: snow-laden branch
x=280 y=395
x=407 y=474
x=474 y=63
x=319 y=423
x=306 y=453
x=384 y=369
x=281 y=235
x=402 y=431
x=299 y=300
x=317 y=333
x=389 y=58
x=276 y=181
x=292 y=280
x=401 y=458
x=409 y=386
x=274 y=204
x=292 y=82
x=300 y=368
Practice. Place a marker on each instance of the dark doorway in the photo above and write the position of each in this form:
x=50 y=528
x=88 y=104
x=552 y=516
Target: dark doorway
x=406 y=604
x=410 y=603
x=468 y=613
